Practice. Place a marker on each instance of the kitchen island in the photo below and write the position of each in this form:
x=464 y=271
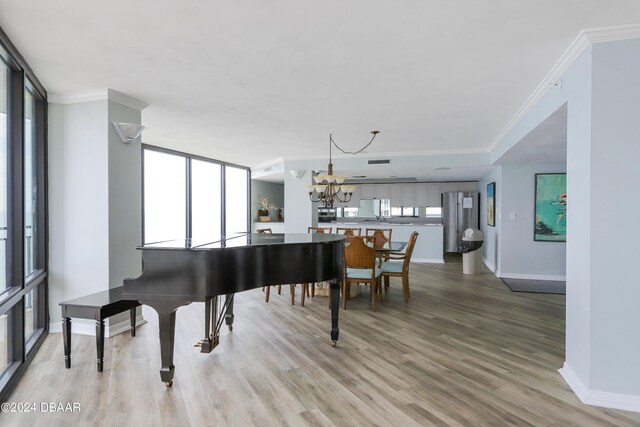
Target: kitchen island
x=429 y=246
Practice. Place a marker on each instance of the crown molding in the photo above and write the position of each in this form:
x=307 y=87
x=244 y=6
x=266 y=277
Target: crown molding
x=127 y=101
x=97 y=95
x=585 y=39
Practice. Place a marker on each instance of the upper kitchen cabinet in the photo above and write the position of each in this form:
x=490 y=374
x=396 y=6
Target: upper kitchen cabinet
x=428 y=194
x=468 y=186
x=449 y=186
x=434 y=191
x=354 y=202
x=459 y=186
x=381 y=191
x=421 y=192
x=402 y=195
x=366 y=191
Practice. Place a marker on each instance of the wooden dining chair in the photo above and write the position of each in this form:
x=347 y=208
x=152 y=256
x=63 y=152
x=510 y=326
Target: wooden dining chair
x=321 y=230
x=309 y=289
x=362 y=266
x=349 y=231
x=266 y=289
x=391 y=267
x=379 y=236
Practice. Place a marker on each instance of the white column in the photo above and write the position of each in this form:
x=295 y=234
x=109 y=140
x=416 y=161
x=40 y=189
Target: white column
x=94 y=199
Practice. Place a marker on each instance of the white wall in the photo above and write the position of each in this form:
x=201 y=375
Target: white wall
x=298 y=209
x=614 y=208
x=94 y=203
x=78 y=202
x=520 y=255
x=125 y=202
x=602 y=92
x=491 y=245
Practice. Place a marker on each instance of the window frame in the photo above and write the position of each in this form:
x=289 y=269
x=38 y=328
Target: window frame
x=188 y=199
x=21 y=349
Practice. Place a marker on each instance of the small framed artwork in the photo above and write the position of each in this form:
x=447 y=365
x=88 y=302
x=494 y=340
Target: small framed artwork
x=491 y=204
x=550 y=207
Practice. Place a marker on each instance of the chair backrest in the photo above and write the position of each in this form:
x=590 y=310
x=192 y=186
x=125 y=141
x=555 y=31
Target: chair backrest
x=263 y=231
x=379 y=236
x=349 y=231
x=409 y=251
x=357 y=254
x=320 y=230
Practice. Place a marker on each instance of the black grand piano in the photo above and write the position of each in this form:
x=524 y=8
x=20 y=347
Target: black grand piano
x=177 y=273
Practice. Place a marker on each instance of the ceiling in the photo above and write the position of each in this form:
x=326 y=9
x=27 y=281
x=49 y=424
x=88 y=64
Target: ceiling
x=546 y=143
x=251 y=81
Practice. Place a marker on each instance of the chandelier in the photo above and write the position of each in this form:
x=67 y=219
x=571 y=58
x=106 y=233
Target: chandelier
x=329 y=188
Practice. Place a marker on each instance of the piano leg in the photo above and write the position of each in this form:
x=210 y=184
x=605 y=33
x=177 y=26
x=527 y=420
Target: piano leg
x=228 y=317
x=210 y=340
x=335 y=309
x=167 y=324
x=66 y=337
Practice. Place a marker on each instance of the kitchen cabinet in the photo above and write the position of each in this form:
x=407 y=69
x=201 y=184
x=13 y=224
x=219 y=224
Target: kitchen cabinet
x=468 y=186
x=355 y=199
x=402 y=195
x=418 y=194
x=449 y=186
x=421 y=192
x=459 y=186
x=367 y=191
x=381 y=191
x=434 y=191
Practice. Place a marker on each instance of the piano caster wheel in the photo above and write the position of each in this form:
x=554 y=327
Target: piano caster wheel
x=169 y=384
x=334 y=343
x=231 y=327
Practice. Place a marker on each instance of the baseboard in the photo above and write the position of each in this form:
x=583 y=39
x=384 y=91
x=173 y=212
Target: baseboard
x=84 y=327
x=428 y=260
x=626 y=402
x=489 y=265
x=531 y=276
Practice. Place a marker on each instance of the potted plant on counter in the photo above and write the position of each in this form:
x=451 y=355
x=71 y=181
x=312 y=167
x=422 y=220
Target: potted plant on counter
x=264 y=204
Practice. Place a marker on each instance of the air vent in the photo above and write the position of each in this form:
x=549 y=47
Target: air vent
x=379 y=162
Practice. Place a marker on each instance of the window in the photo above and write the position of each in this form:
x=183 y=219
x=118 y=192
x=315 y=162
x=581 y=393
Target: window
x=184 y=197
x=206 y=200
x=164 y=197
x=23 y=283
x=30 y=184
x=433 y=212
x=4 y=180
x=237 y=196
x=403 y=211
x=347 y=212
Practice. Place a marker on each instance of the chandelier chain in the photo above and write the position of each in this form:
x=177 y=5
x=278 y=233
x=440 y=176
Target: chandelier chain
x=354 y=152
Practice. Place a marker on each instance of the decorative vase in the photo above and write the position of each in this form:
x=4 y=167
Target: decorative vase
x=263 y=215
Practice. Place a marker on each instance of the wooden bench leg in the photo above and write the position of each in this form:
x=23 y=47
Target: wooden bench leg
x=66 y=338
x=100 y=342
x=132 y=315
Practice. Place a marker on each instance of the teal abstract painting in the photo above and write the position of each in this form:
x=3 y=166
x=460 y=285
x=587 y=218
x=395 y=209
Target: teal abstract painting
x=551 y=207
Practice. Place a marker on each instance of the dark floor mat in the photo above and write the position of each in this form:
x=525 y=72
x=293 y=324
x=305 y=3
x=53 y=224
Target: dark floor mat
x=536 y=286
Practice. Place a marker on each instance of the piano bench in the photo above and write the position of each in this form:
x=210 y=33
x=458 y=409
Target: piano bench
x=98 y=306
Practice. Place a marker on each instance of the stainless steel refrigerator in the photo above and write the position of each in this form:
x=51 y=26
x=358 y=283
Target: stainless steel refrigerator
x=459 y=211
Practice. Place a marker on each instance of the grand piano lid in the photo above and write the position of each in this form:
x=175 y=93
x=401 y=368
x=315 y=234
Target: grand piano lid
x=245 y=239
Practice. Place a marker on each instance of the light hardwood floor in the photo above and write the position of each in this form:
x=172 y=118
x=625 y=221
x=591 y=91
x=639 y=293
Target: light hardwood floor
x=464 y=351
